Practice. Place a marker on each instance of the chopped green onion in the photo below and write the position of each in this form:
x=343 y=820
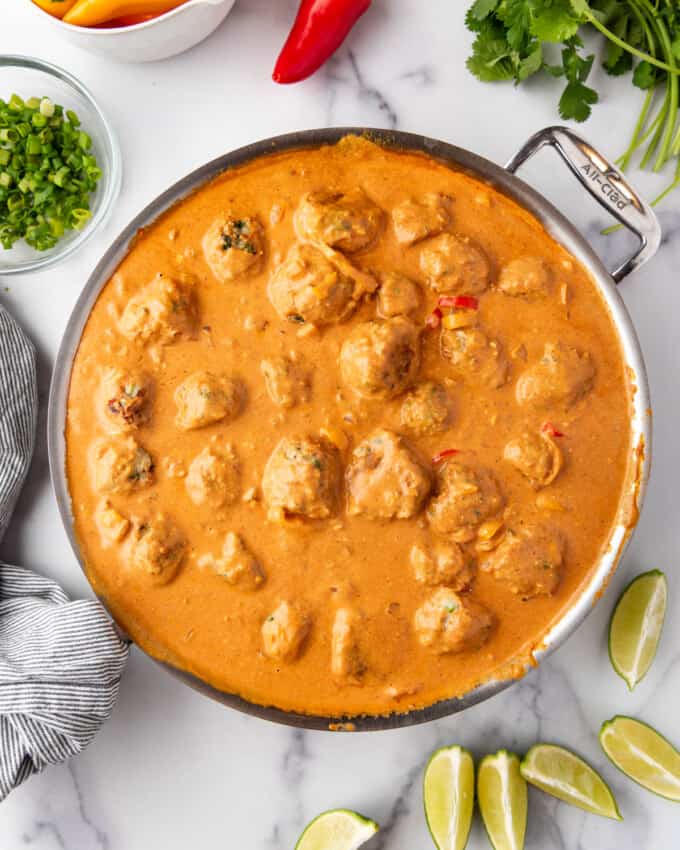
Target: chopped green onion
x=46 y=107
x=47 y=172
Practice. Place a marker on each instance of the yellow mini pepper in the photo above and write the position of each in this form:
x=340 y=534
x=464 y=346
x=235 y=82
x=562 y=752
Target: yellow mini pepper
x=89 y=13
x=56 y=8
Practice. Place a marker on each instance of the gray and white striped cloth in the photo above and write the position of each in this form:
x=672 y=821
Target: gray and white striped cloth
x=60 y=661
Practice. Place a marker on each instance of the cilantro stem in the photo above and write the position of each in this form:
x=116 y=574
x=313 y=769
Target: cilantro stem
x=636 y=140
x=647 y=57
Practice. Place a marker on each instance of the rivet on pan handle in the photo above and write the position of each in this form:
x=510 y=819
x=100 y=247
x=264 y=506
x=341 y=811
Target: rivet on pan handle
x=606 y=184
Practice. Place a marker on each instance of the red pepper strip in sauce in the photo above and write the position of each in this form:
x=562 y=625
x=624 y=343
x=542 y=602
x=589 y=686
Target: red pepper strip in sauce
x=434 y=319
x=440 y=456
x=319 y=29
x=549 y=429
x=460 y=302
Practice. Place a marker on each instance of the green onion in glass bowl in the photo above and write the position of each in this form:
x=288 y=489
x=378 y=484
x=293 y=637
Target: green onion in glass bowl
x=60 y=168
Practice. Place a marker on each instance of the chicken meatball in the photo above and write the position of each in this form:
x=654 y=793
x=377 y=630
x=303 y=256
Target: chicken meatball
x=346 y=222
x=284 y=632
x=381 y=359
x=163 y=311
x=203 y=399
x=234 y=247
x=111 y=524
x=301 y=478
x=536 y=456
x=560 y=378
x=446 y=564
x=385 y=479
x=474 y=357
x=155 y=549
x=414 y=221
x=120 y=465
x=237 y=564
x=447 y=622
x=398 y=295
x=526 y=276
x=426 y=409
x=529 y=560
x=288 y=380
x=347 y=665
x=465 y=498
x=214 y=476
x=124 y=399
x=313 y=285
x=454 y=265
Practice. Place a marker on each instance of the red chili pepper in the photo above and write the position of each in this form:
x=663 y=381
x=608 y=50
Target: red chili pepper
x=319 y=29
x=440 y=456
x=549 y=429
x=459 y=302
x=434 y=319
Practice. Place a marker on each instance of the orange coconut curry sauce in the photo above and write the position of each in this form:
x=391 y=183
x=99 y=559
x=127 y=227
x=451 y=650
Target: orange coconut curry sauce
x=347 y=431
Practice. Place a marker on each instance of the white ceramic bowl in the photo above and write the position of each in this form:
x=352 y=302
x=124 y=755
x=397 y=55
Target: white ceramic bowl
x=169 y=34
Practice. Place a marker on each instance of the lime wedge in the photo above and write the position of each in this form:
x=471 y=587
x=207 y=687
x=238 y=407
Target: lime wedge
x=567 y=777
x=339 y=829
x=502 y=795
x=449 y=794
x=643 y=755
x=636 y=624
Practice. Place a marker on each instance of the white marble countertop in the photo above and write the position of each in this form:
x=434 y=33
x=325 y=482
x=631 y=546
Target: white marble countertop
x=172 y=769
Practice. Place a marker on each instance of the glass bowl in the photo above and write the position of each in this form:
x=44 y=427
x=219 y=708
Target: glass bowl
x=30 y=77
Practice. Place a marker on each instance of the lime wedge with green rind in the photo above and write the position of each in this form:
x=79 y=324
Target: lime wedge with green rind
x=338 y=829
x=566 y=776
x=449 y=796
x=643 y=755
x=502 y=796
x=636 y=624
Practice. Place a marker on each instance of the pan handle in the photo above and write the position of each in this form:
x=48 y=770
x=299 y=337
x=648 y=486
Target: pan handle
x=606 y=184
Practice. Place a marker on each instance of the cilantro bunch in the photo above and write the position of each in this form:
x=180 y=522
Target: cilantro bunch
x=513 y=41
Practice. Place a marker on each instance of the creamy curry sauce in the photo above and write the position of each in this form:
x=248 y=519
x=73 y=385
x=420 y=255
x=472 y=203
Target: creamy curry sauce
x=260 y=416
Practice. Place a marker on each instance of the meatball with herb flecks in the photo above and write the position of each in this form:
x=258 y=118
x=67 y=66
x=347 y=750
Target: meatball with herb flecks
x=284 y=631
x=385 y=478
x=426 y=409
x=163 y=311
x=234 y=247
x=465 y=497
x=448 y=622
x=452 y=264
x=381 y=359
x=414 y=220
x=559 y=379
x=347 y=222
x=301 y=478
x=308 y=286
x=204 y=398
x=120 y=465
x=529 y=560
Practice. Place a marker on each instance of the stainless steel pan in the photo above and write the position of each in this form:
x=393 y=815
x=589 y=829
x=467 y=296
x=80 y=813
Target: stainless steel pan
x=595 y=174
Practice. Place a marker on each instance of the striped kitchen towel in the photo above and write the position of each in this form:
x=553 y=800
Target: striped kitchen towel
x=60 y=661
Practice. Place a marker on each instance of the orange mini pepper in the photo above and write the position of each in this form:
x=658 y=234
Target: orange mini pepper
x=89 y=13
x=56 y=8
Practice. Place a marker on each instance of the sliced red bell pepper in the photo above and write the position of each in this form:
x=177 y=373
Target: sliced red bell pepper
x=549 y=429
x=441 y=456
x=459 y=302
x=319 y=29
x=434 y=319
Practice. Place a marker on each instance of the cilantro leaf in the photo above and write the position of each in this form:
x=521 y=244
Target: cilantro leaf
x=492 y=57
x=481 y=9
x=576 y=101
x=554 y=20
x=645 y=76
